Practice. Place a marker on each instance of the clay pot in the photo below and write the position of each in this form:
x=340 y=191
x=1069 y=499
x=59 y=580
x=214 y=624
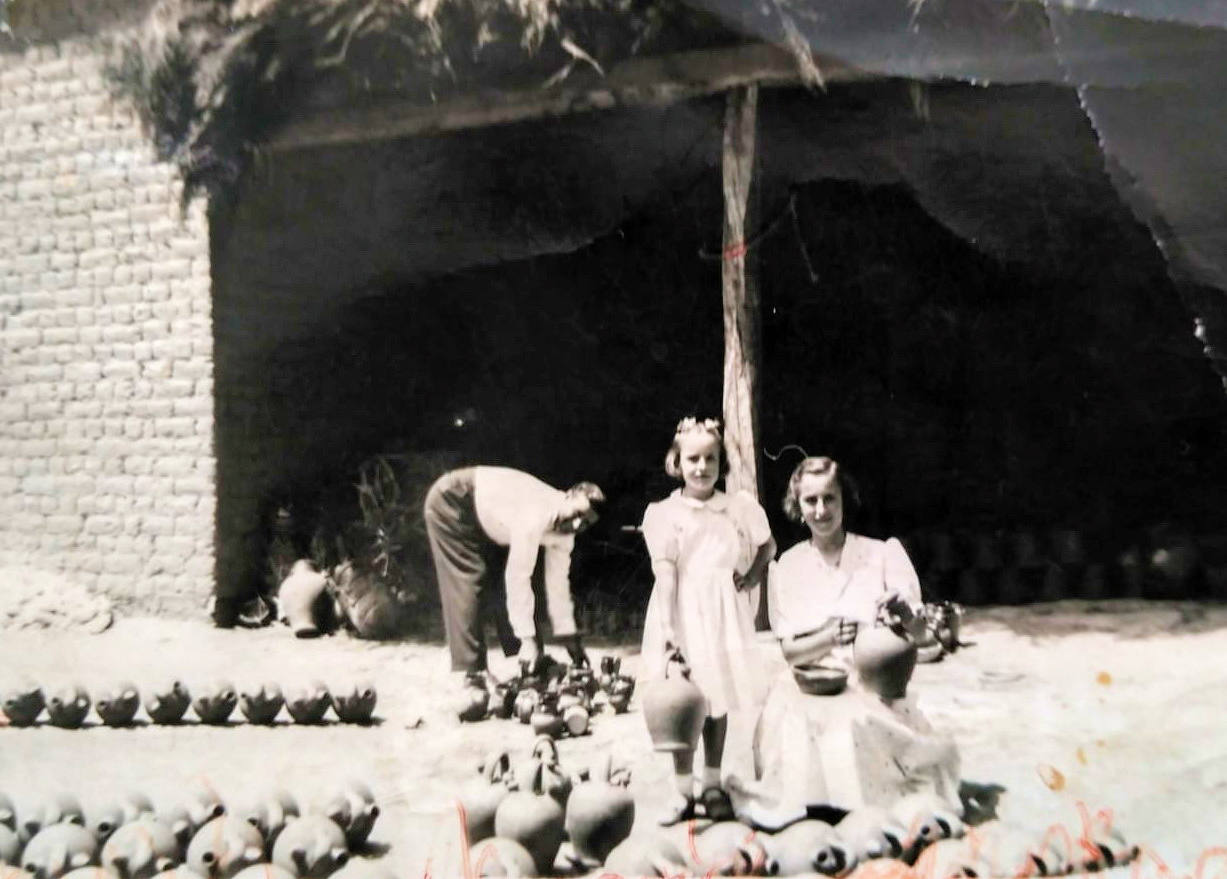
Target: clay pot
x=534 y=819
x=554 y=780
x=117 y=705
x=68 y=706
x=795 y=849
x=261 y=705
x=729 y=848
x=141 y=849
x=199 y=807
x=301 y=597
x=885 y=658
x=264 y=871
x=871 y=832
x=355 y=703
x=8 y=814
x=63 y=808
x=223 y=847
x=546 y=721
x=646 y=854
x=576 y=720
x=271 y=814
x=112 y=816
x=1004 y=850
x=168 y=702
x=308 y=704
x=674 y=709
x=481 y=798
x=610 y=668
x=10 y=845
x=525 y=705
x=600 y=812
x=501 y=857
x=22 y=704
x=58 y=848
x=354 y=810
x=926 y=818
x=619 y=696
x=215 y=703
x=311 y=847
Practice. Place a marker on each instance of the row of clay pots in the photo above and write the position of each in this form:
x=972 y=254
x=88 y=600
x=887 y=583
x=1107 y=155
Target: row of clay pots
x=117 y=706
x=129 y=838
x=558 y=701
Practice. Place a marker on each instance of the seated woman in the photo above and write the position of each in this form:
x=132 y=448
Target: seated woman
x=861 y=747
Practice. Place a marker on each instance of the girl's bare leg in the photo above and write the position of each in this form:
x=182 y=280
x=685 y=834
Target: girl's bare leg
x=681 y=805
x=715 y=800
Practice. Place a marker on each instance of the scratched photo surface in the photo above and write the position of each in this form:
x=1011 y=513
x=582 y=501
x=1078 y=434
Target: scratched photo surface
x=272 y=269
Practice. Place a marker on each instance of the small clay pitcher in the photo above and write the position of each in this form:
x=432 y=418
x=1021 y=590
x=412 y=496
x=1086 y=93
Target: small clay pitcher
x=546 y=721
x=223 y=847
x=481 y=797
x=354 y=810
x=57 y=849
x=501 y=857
x=215 y=702
x=674 y=708
x=646 y=854
x=525 y=705
x=262 y=704
x=116 y=814
x=544 y=759
x=168 y=702
x=271 y=814
x=141 y=849
x=885 y=657
x=600 y=812
x=299 y=598
x=871 y=832
x=795 y=849
x=729 y=848
x=10 y=845
x=68 y=706
x=63 y=808
x=502 y=700
x=22 y=704
x=117 y=705
x=355 y=703
x=311 y=847
x=534 y=819
x=308 y=704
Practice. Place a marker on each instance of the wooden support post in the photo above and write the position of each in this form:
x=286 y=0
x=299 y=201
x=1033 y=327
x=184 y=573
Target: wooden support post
x=740 y=293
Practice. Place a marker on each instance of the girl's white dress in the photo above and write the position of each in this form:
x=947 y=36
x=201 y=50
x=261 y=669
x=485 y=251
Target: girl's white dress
x=708 y=541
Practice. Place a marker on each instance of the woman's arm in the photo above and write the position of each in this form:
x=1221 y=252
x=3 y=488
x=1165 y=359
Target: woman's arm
x=758 y=568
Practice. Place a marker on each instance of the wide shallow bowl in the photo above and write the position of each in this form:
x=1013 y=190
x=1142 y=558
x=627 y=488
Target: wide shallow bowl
x=820 y=680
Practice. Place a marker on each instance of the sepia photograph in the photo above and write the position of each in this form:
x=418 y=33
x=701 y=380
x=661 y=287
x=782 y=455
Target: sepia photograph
x=613 y=438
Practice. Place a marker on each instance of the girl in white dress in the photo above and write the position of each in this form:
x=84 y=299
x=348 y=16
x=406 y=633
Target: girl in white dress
x=709 y=551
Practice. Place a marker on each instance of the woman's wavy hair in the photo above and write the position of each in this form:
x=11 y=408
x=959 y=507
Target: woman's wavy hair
x=710 y=426
x=822 y=466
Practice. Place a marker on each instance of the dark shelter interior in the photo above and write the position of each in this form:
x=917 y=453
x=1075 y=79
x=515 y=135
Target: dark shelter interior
x=956 y=304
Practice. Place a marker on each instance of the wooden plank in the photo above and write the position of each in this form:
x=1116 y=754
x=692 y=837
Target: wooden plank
x=656 y=81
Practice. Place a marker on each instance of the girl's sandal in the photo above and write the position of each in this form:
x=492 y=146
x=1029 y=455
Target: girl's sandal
x=681 y=809
x=716 y=804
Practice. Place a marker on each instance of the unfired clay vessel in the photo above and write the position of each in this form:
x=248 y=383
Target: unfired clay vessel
x=885 y=657
x=10 y=845
x=22 y=704
x=533 y=818
x=871 y=832
x=271 y=814
x=795 y=849
x=299 y=597
x=8 y=815
x=308 y=703
x=261 y=704
x=355 y=703
x=223 y=847
x=646 y=854
x=354 y=810
x=600 y=812
x=674 y=709
x=57 y=849
x=168 y=702
x=63 y=808
x=141 y=849
x=481 y=797
x=264 y=871
x=117 y=705
x=117 y=813
x=311 y=847
x=729 y=848
x=215 y=702
x=68 y=706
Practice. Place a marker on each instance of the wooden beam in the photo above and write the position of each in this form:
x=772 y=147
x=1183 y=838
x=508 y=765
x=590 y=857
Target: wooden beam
x=740 y=295
x=653 y=81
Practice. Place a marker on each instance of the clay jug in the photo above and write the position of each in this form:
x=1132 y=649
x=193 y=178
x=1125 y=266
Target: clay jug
x=63 y=808
x=546 y=720
x=533 y=818
x=554 y=780
x=264 y=871
x=501 y=857
x=167 y=703
x=729 y=848
x=215 y=702
x=141 y=849
x=646 y=854
x=481 y=797
x=223 y=847
x=795 y=848
x=308 y=704
x=67 y=706
x=199 y=807
x=925 y=818
x=300 y=598
x=885 y=657
x=58 y=848
x=117 y=705
x=10 y=845
x=674 y=708
x=525 y=705
x=115 y=814
x=8 y=814
x=619 y=694
x=354 y=810
x=871 y=832
x=576 y=720
x=261 y=705
x=600 y=812
x=271 y=814
x=609 y=668
x=22 y=704
x=502 y=700
x=311 y=847
x=355 y=703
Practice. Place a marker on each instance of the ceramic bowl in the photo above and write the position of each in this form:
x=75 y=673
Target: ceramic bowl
x=820 y=680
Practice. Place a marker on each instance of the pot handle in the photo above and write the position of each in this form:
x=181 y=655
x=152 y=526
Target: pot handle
x=546 y=750
x=674 y=657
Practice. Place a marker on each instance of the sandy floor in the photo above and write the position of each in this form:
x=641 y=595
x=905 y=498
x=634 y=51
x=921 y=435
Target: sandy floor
x=1124 y=701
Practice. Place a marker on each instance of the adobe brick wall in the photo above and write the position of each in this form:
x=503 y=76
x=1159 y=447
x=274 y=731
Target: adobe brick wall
x=106 y=355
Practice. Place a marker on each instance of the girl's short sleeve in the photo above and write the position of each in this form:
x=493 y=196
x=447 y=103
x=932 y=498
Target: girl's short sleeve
x=660 y=533
x=900 y=574
x=753 y=518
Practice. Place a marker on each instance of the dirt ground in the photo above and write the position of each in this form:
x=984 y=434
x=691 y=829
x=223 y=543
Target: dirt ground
x=1116 y=705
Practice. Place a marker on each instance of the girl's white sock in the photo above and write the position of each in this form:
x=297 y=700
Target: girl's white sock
x=685 y=784
x=711 y=777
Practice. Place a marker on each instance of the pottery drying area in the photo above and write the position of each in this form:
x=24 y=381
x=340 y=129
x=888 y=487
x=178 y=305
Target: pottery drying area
x=1117 y=706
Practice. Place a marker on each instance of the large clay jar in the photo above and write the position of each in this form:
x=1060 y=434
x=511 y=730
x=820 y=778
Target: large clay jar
x=311 y=847
x=355 y=703
x=600 y=812
x=10 y=845
x=885 y=657
x=354 y=810
x=501 y=857
x=795 y=849
x=481 y=797
x=308 y=703
x=116 y=814
x=223 y=847
x=261 y=704
x=215 y=703
x=646 y=854
x=67 y=706
x=22 y=704
x=63 y=808
x=117 y=705
x=141 y=849
x=533 y=818
x=168 y=702
x=674 y=709
x=729 y=848
x=871 y=832
x=57 y=849
x=299 y=598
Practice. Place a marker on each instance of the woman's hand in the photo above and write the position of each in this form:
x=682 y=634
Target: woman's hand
x=846 y=632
